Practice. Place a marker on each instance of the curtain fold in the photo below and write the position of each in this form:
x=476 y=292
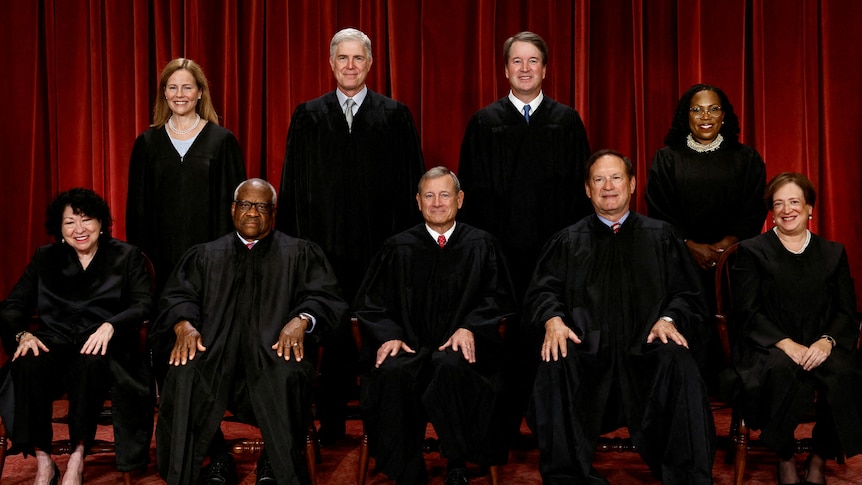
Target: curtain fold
x=83 y=77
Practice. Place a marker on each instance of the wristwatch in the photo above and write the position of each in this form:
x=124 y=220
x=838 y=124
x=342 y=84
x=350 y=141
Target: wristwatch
x=829 y=339
x=668 y=320
x=19 y=335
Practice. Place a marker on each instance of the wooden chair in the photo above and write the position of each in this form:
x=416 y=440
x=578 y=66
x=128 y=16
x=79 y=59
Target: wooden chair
x=431 y=445
x=740 y=434
x=243 y=446
x=65 y=447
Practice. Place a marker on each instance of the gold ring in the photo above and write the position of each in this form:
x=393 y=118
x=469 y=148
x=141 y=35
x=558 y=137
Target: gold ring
x=295 y=344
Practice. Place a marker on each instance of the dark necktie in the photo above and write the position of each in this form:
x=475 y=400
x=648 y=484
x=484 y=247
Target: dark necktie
x=527 y=113
x=441 y=240
x=348 y=113
x=616 y=227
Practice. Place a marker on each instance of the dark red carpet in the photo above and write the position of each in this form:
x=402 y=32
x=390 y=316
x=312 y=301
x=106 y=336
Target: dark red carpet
x=340 y=464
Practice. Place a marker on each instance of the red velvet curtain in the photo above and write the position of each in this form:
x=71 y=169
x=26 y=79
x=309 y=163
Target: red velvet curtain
x=82 y=74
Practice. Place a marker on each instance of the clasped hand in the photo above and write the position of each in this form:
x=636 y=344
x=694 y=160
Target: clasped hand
x=807 y=357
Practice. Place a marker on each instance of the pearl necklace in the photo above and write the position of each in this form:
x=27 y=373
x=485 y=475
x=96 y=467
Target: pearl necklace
x=700 y=147
x=183 y=132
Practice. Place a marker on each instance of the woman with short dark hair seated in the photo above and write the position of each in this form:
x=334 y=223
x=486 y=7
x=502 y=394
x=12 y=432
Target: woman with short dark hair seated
x=90 y=293
x=794 y=303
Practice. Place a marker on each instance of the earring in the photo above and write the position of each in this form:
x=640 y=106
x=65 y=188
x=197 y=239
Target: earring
x=810 y=217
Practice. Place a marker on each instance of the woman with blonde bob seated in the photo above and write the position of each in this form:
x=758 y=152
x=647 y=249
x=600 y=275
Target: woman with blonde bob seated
x=794 y=301
x=90 y=293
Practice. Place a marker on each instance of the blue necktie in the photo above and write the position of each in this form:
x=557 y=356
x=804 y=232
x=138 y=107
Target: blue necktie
x=527 y=113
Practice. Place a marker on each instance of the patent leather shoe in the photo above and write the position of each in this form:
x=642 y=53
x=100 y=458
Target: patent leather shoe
x=222 y=471
x=265 y=473
x=457 y=476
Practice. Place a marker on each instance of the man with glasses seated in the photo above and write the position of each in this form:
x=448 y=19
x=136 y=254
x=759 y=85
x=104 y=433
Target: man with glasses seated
x=239 y=317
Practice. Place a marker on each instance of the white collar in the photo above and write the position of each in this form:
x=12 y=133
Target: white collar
x=534 y=104
x=358 y=98
x=434 y=234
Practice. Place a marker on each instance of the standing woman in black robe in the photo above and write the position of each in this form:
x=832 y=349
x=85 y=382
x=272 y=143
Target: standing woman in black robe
x=182 y=172
x=794 y=302
x=90 y=293
x=705 y=182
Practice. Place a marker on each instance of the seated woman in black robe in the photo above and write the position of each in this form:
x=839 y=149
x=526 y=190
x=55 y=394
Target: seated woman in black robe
x=90 y=293
x=794 y=301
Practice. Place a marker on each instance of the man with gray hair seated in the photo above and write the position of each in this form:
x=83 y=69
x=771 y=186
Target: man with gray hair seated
x=429 y=310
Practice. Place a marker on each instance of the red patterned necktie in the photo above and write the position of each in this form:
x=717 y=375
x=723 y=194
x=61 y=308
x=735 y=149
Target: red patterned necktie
x=441 y=240
x=250 y=245
x=616 y=227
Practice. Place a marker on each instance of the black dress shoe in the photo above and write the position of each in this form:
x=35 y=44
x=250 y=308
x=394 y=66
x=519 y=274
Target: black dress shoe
x=457 y=476
x=222 y=471
x=265 y=473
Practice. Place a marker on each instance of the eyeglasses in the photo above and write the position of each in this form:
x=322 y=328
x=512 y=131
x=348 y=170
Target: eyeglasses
x=262 y=207
x=713 y=110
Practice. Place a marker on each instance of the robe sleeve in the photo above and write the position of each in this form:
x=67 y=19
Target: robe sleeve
x=494 y=297
x=661 y=196
x=410 y=156
x=753 y=210
x=317 y=290
x=748 y=306
x=293 y=190
x=841 y=325
x=685 y=301
x=378 y=302
x=137 y=206
x=17 y=310
x=180 y=299
x=137 y=281
x=225 y=179
x=546 y=295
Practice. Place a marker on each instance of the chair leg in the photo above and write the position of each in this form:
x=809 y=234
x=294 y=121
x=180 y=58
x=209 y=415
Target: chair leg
x=127 y=478
x=741 y=442
x=3 y=444
x=493 y=471
x=311 y=453
x=363 y=460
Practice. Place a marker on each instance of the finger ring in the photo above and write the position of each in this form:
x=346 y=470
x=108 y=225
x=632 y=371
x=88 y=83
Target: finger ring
x=714 y=263
x=295 y=344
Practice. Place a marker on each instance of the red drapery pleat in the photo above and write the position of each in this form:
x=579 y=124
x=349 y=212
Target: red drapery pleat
x=82 y=77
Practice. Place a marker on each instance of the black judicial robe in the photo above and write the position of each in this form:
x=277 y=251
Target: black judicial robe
x=611 y=289
x=419 y=293
x=524 y=181
x=239 y=300
x=707 y=196
x=71 y=304
x=349 y=191
x=777 y=295
x=176 y=202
